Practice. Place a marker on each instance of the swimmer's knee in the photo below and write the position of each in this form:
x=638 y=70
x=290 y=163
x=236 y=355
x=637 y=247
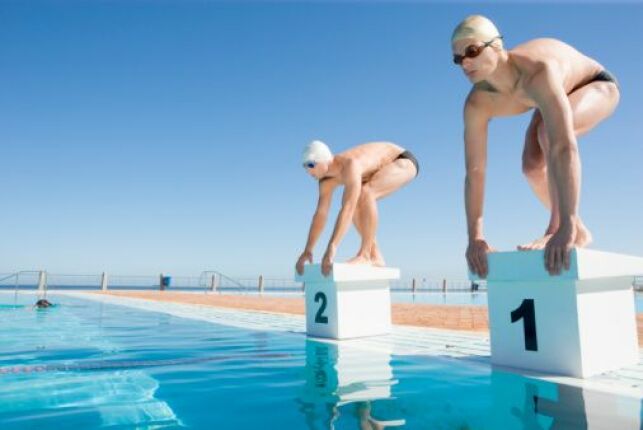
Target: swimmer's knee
x=609 y=90
x=367 y=193
x=612 y=93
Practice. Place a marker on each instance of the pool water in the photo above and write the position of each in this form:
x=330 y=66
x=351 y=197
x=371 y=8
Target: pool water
x=87 y=364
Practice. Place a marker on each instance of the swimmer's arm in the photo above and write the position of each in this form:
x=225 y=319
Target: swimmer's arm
x=352 y=188
x=547 y=90
x=326 y=188
x=476 y=120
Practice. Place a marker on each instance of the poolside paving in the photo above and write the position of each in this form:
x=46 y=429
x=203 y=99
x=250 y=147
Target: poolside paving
x=450 y=317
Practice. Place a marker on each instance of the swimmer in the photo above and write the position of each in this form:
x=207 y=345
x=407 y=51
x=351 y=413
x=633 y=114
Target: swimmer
x=368 y=173
x=42 y=304
x=568 y=93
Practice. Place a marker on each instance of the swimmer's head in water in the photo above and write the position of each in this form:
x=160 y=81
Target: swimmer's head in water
x=469 y=42
x=43 y=303
x=316 y=158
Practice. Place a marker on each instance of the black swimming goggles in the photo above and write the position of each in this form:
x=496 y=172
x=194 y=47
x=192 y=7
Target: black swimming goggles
x=472 y=51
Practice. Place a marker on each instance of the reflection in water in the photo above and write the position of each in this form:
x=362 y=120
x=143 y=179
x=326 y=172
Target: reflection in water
x=348 y=387
x=525 y=403
x=120 y=398
x=113 y=392
x=342 y=381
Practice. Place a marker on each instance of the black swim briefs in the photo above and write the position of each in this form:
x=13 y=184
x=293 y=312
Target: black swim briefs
x=602 y=76
x=605 y=76
x=409 y=156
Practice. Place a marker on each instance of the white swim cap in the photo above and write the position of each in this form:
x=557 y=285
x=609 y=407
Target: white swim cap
x=317 y=151
x=477 y=27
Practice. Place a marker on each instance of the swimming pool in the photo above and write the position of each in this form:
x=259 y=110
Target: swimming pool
x=87 y=364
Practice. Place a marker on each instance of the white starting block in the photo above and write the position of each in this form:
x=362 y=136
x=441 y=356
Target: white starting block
x=579 y=323
x=353 y=301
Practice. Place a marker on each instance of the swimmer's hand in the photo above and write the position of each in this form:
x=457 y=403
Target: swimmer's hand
x=305 y=256
x=559 y=247
x=327 y=261
x=477 y=257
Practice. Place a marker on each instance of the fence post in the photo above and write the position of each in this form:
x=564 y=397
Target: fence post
x=42 y=281
x=103 y=281
x=444 y=285
x=261 y=283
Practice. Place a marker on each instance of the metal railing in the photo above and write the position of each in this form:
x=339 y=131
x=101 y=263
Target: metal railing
x=212 y=280
x=37 y=278
x=207 y=281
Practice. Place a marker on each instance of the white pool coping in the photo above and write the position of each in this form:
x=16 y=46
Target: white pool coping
x=469 y=347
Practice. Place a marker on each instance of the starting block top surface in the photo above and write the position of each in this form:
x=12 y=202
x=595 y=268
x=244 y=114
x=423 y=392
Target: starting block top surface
x=584 y=264
x=343 y=272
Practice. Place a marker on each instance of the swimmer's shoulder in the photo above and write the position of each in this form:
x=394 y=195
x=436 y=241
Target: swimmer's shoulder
x=328 y=184
x=480 y=101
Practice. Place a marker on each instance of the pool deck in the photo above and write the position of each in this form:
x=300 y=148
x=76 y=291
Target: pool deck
x=449 y=317
x=469 y=318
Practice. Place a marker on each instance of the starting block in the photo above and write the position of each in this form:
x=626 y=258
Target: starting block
x=579 y=323
x=353 y=301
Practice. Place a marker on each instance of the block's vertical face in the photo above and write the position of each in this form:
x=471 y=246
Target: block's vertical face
x=352 y=301
x=348 y=309
x=364 y=309
x=579 y=323
x=534 y=325
x=321 y=309
x=607 y=324
x=577 y=328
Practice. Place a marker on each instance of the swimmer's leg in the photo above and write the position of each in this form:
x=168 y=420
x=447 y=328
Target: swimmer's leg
x=388 y=179
x=590 y=105
x=374 y=255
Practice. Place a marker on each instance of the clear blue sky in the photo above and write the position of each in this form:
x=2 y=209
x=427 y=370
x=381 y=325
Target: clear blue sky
x=139 y=137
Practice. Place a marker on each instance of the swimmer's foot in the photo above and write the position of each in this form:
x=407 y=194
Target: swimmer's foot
x=582 y=239
x=360 y=259
x=536 y=244
x=583 y=235
x=377 y=259
x=378 y=263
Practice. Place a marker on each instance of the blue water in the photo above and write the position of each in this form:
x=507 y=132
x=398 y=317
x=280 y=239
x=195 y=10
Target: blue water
x=85 y=365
